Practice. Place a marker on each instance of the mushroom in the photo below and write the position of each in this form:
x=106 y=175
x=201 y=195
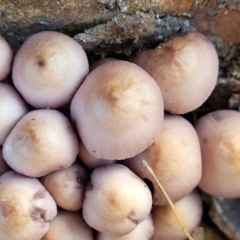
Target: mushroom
x=67 y=186
x=143 y=231
x=12 y=108
x=185 y=68
x=118 y=110
x=43 y=141
x=26 y=208
x=166 y=227
x=48 y=69
x=68 y=226
x=6 y=58
x=219 y=138
x=116 y=200
x=174 y=156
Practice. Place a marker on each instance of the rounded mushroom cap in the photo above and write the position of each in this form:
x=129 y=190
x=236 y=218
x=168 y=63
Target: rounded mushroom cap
x=174 y=156
x=6 y=58
x=68 y=226
x=48 y=69
x=143 y=231
x=185 y=68
x=67 y=186
x=220 y=146
x=26 y=207
x=116 y=200
x=166 y=226
x=118 y=110
x=12 y=108
x=43 y=141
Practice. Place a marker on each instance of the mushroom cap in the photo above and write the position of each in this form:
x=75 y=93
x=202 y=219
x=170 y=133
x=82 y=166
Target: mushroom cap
x=69 y=225
x=185 y=68
x=174 y=156
x=12 y=108
x=48 y=69
x=67 y=186
x=6 y=58
x=219 y=138
x=118 y=110
x=26 y=207
x=43 y=141
x=166 y=226
x=116 y=200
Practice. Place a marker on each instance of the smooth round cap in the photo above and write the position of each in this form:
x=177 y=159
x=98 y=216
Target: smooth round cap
x=48 y=69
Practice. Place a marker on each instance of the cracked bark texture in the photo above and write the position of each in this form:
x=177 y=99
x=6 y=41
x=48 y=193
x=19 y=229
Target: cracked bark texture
x=97 y=20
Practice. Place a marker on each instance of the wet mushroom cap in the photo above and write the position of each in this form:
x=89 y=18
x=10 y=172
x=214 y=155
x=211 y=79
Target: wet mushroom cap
x=185 y=68
x=219 y=137
x=26 y=207
x=43 y=141
x=118 y=110
x=6 y=58
x=48 y=69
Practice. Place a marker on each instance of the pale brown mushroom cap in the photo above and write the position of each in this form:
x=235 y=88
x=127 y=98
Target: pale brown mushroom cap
x=6 y=58
x=118 y=110
x=43 y=141
x=185 y=68
x=26 y=208
x=48 y=69
x=166 y=226
x=12 y=108
x=68 y=226
x=116 y=200
x=175 y=157
x=67 y=186
x=219 y=136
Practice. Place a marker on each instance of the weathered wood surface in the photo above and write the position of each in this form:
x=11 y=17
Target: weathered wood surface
x=21 y=18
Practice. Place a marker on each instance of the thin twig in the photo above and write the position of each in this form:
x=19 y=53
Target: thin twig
x=146 y=165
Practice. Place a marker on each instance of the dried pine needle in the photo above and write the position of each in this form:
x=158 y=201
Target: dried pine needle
x=146 y=165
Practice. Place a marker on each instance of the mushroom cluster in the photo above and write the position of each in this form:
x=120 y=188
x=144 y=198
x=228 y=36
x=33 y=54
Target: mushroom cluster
x=73 y=137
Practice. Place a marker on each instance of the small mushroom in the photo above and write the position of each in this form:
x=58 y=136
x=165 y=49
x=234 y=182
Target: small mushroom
x=67 y=186
x=116 y=200
x=166 y=226
x=174 y=156
x=43 y=141
x=26 y=208
x=219 y=138
x=68 y=226
x=49 y=68
x=118 y=110
x=185 y=68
